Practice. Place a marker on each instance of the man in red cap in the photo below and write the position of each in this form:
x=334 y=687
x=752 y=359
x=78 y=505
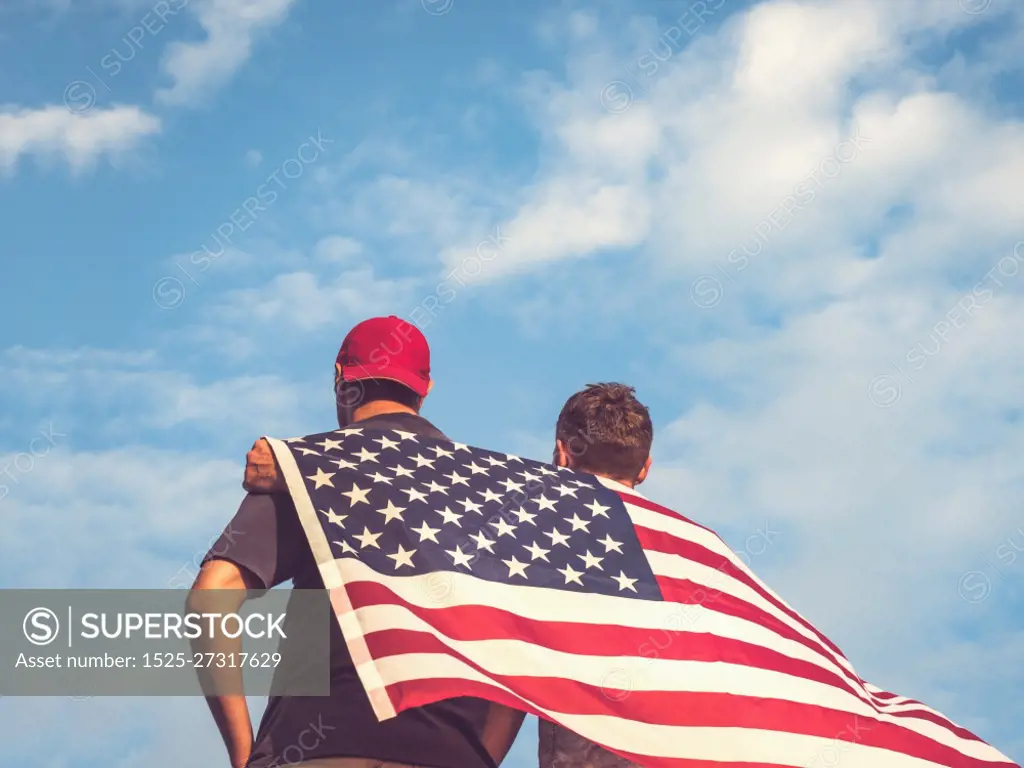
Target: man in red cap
x=382 y=375
x=382 y=368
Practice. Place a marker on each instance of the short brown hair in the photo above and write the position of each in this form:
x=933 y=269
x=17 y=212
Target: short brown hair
x=362 y=391
x=607 y=430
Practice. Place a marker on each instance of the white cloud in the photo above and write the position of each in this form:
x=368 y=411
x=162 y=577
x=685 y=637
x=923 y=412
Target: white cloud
x=881 y=510
x=80 y=139
x=135 y=395
x=231 y=26
x=338 y=249
x=401 y=190
x=253 y=158
x=82 y=356
x=422 y=208
x=153 y=514
x=335 y=285
x=322 y=289
x=735 y=120
x=152 y=511
x=309 y=301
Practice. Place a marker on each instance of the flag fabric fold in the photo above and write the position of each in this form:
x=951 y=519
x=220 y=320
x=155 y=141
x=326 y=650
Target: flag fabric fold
x=458 y=571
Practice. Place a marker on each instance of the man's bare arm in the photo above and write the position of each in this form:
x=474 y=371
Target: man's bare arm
x=231 y=713
x=500 y=730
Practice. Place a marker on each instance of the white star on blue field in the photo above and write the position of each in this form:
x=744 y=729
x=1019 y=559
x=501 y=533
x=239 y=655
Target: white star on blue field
x=489 y=503
x=795 y=227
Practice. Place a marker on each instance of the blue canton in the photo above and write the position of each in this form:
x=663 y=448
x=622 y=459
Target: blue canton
x=405 y=504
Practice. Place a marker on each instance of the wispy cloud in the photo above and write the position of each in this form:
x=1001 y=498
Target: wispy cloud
x=307 y=300
x=77 y=139
x=734 y=121
x=198 y=69
x=137 y=395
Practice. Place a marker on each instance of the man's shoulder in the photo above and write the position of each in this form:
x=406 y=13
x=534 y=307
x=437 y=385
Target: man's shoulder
x=266 y=516
x=263 y=475
x=277 y=501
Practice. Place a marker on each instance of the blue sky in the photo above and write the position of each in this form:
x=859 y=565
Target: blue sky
x=795 y=227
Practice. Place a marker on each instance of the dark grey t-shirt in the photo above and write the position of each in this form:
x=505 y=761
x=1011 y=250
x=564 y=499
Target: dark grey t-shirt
x=266 y=538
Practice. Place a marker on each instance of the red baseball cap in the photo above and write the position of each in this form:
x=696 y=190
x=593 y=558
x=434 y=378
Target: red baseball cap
x=386 y=348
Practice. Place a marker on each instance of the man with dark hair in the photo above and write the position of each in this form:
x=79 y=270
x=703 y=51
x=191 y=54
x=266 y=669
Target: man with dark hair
x=605 y=431
x=382 y=375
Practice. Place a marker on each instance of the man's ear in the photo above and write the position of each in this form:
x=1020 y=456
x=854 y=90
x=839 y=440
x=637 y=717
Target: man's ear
x=561 y=456
x=337 y=374
x=643 y=472
x=421 y=398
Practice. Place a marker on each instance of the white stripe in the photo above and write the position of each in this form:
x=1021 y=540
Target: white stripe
x=542 y=604
x=307 y=515
x=682 y=529
x=717 y=581
x=547 y=604
x=622 y=675
x=695 y=743
x=331 y=574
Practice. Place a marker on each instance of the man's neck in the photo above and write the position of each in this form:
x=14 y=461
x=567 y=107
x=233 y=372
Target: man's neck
x=619 y=480
x=379 y=408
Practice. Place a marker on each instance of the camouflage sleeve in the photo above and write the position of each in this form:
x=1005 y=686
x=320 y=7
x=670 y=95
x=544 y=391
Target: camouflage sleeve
x=558 y=747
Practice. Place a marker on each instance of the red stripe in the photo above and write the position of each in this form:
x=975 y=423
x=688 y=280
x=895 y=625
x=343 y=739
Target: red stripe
x=714 y=560
x=666 y=543
x=420 y=692
x=639 y=501
x=687 y=592
x=469 y=623
x=659 y=541
x=702 y=710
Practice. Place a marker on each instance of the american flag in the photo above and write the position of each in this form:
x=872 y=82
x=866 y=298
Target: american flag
x=457 y=571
